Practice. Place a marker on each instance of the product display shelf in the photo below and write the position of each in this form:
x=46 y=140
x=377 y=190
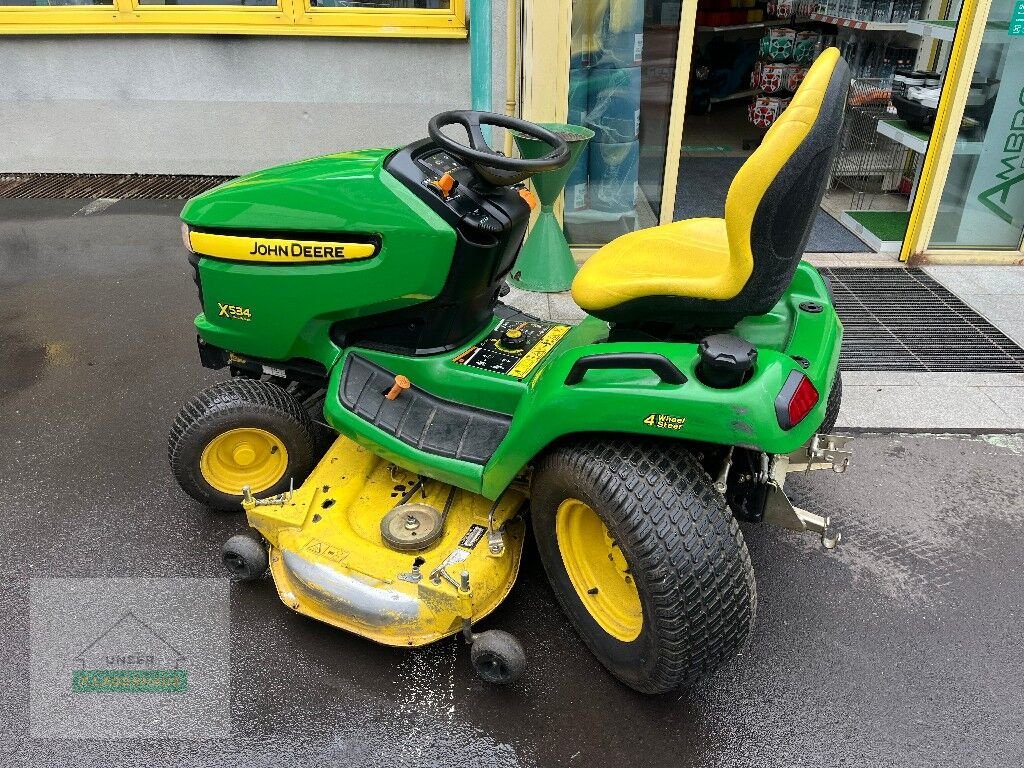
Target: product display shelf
x=860 y=24
x=735 y=95
x=898 y=130
x=945 y=29
x=755 y=24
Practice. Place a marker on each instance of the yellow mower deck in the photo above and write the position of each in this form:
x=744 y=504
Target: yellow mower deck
x=329 y=560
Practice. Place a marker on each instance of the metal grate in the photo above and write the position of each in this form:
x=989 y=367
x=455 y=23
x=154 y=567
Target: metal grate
x=903 y=320
x=133 y=186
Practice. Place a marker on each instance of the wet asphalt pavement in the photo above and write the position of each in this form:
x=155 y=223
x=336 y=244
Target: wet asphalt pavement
x=903 y=648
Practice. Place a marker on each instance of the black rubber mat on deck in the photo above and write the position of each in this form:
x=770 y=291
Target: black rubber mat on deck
x=904 y=320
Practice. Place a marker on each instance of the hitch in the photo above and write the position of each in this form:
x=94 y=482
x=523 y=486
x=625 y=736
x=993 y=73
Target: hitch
x=780 y=511
x=822 y=452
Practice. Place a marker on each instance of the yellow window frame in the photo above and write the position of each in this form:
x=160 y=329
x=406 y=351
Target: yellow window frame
x=288 y=17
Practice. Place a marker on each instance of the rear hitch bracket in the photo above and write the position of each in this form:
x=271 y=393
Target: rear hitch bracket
x=822 y=452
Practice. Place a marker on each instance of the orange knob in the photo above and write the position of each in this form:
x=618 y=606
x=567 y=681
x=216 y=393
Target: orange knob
x=401 y=384
x=446 y=184
x=530 y=198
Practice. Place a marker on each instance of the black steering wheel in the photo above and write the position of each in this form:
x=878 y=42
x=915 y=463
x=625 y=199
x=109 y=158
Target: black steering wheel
x=494 y=167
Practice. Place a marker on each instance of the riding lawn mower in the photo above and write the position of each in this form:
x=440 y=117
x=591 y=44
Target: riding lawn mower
x=392 y=429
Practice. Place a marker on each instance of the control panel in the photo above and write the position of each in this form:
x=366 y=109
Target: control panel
x=448 y=178
x=437 y=164
x=514 y=347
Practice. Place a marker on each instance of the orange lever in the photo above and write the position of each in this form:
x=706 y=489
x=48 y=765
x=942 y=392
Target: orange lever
x=401 y=384
x=446 y=184
x=530 y=198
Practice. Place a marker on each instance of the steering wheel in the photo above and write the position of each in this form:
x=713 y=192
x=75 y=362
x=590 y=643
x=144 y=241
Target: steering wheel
x=494 y=167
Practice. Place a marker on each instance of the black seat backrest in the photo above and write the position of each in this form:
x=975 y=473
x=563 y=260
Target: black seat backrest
x=774 y=198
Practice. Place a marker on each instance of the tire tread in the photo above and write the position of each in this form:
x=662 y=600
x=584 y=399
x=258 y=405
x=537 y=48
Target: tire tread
x=233 y=397
x=688 y=551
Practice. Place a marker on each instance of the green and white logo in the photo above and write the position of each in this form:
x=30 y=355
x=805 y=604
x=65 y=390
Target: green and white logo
x=129 y=657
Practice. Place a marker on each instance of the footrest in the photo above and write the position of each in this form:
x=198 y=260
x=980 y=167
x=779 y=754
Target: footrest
x=417 y=418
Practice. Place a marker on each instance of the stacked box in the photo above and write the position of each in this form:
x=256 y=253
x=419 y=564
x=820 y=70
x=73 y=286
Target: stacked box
x=615 y=171
x=620 y=36
x=604 y=95
x=613 y=111
x=579 y=96
x=614 y=117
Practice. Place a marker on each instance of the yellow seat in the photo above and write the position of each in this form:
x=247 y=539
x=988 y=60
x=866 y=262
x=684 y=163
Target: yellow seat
x=720 y=270
x=688 y=257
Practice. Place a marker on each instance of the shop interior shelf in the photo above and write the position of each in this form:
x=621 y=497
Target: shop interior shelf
x=754 y=25
x=866 y=26
x=898 y=130
x=945 y=29
x=735 y=95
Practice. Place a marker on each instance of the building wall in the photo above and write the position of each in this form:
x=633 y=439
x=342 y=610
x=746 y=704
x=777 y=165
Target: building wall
x=221 y=104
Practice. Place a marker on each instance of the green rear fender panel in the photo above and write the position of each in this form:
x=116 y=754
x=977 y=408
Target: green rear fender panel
x=292 y=307
x=623 y=401
x=545 y=409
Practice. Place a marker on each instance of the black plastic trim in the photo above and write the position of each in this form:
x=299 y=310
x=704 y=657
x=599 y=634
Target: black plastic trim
x=296 y=369
x=419 y=419
x=659 y=365
x=481 y=261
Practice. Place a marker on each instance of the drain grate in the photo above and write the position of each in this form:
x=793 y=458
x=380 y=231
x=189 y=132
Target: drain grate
x=904 y=320
x=149 y=186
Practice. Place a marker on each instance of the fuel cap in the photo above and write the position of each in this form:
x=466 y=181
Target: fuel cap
x=725 y=360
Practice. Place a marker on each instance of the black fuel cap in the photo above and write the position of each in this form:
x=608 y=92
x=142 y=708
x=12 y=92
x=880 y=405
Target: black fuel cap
x=725 y=360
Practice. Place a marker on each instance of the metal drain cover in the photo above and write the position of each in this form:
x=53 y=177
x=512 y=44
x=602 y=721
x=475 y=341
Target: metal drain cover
x=899 y=319
x=410 y=527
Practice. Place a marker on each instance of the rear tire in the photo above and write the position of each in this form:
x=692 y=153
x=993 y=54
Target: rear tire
x=322 y=433
x=237 y=433
x=693 y=596
x=832 y=406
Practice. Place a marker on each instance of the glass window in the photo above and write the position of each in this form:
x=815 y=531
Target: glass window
x=421 y=5
x=232 y=3
x=52 y=3
x=378 y=18
x=622 y=67
x=982 y=203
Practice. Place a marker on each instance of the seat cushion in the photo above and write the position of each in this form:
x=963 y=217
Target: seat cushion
x=687 y=259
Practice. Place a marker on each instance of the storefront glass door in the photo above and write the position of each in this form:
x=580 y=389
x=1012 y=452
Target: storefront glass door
x=622 y=71
x=982 y=202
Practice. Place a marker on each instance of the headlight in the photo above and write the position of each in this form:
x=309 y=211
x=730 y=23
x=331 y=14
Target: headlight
x=185 y=230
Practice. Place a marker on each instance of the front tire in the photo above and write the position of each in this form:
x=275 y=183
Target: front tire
x=240 y=433
x=498 y=658
x=245 y=557
x=645 y=559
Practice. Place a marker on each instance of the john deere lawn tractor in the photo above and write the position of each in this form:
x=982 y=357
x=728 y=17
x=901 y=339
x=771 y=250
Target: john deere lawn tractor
x=392 y=429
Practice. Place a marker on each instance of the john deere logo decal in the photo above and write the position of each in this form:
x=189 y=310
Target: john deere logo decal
x=276 y=250
x=298 y=250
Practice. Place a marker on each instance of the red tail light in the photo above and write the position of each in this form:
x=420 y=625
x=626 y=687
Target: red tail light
x=797 y=398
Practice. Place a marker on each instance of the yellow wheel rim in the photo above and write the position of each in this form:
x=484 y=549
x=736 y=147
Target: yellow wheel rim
x=598 y=570
x=241 y=457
